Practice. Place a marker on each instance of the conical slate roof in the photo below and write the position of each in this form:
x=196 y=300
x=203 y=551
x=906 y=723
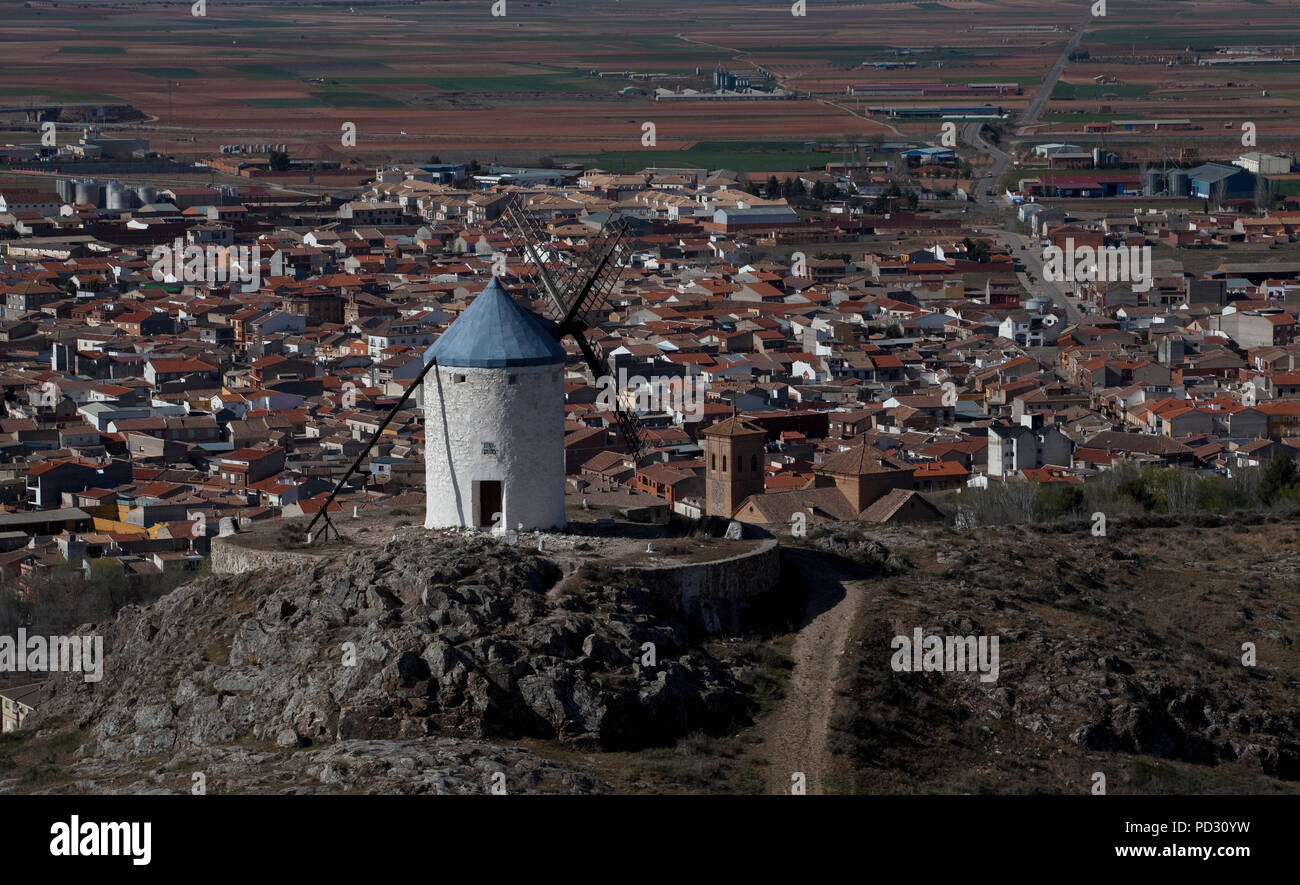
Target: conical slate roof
x=496 y=332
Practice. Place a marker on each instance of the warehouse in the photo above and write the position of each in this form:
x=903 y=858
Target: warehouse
x=1082 y=185
x=1263 y=164
x=972 y=112
x=755 y=218
x=1214 y=180
x=928 y=156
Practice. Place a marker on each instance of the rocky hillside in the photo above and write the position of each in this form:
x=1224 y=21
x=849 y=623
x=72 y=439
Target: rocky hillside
x=1119 y=654
x=434 y=665
x=399 y=669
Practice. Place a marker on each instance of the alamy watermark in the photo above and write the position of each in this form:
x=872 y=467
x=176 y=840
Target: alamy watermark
x=658 y=393
x=78 y=838
x=1107 y=264
x=53 y=654
x=209 y=264
x=946 y=654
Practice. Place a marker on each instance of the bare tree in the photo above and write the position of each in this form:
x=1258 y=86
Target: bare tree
x=1181 y=492
x=1219 y=192
x=1263 y=193
x=1021 y=500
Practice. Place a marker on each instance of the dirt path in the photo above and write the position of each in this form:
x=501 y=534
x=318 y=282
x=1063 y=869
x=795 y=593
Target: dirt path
x=794 y=736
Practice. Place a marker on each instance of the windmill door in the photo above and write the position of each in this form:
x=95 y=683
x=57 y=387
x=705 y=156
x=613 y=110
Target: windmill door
x=489 y=503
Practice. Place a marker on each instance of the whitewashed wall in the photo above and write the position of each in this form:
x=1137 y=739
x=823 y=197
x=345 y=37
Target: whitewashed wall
x=525 y=422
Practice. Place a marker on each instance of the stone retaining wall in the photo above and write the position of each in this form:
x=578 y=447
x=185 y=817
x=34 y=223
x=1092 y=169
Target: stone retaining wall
x=724 y=595
x=229 y=557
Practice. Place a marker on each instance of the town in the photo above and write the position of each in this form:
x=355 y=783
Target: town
x=867 y=360
x=472 y=397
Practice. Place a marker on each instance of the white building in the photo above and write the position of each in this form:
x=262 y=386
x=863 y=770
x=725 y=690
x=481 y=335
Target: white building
x=1030 y=330
x=1263 y=164
x=394 y=333
x=494 y=420
x=1016 y=447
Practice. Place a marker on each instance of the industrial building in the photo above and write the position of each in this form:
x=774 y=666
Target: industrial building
x=927 y=156
x=965 y=112
x=94 y=146
x=1263 y=164
x=1083 y=185
x=724 y=80
x=936 y=88
x=1215 y=180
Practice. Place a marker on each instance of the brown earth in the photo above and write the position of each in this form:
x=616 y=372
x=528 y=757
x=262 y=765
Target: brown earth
x=210 y=80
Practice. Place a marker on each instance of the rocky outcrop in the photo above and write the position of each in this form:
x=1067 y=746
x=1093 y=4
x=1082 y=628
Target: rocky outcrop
x=851 y=543
x=465 y=638
x=438 y=766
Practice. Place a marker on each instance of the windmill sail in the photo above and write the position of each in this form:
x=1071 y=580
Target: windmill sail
x=577 y=291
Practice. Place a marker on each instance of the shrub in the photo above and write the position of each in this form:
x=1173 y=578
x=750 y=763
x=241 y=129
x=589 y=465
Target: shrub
x=1279 y=481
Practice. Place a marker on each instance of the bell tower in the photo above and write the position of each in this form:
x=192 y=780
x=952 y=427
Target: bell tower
x=733 y=462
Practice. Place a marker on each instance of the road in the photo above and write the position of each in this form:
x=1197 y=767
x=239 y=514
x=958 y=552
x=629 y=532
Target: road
x=1049 y=82
x=973 y=132
x=1032 y=258
x=973 y=135
x=1025 y=248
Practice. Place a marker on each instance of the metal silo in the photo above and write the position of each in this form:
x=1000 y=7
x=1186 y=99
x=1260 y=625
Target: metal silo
x=1152 y=182
x=88 y=191
x=1180 y=183
x=115 y=196
x=67 y=189
x=147 y=194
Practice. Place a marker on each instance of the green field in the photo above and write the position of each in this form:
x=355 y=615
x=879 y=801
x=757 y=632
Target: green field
x=342 y=97
x=528 y=83
x=93 y=50
x=517 y=83
x=1155 y=33
x=169 y=73
x=18 y=136
x=1072 y=117
x=1019 y=81
x=741 y=156
x=264 y=72
x=60 y=95
x=327 y=98
x=545 y=80
x=309 y=101
x=1073 y=92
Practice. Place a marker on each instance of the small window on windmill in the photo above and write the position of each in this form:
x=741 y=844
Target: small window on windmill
x=489 y=448
x=457 y=379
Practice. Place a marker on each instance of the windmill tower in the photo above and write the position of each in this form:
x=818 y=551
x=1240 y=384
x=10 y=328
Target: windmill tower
x=494 y=394
x=494 y=420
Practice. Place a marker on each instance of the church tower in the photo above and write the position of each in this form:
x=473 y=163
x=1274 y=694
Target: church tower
x=494 y=420
x=733 y=465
